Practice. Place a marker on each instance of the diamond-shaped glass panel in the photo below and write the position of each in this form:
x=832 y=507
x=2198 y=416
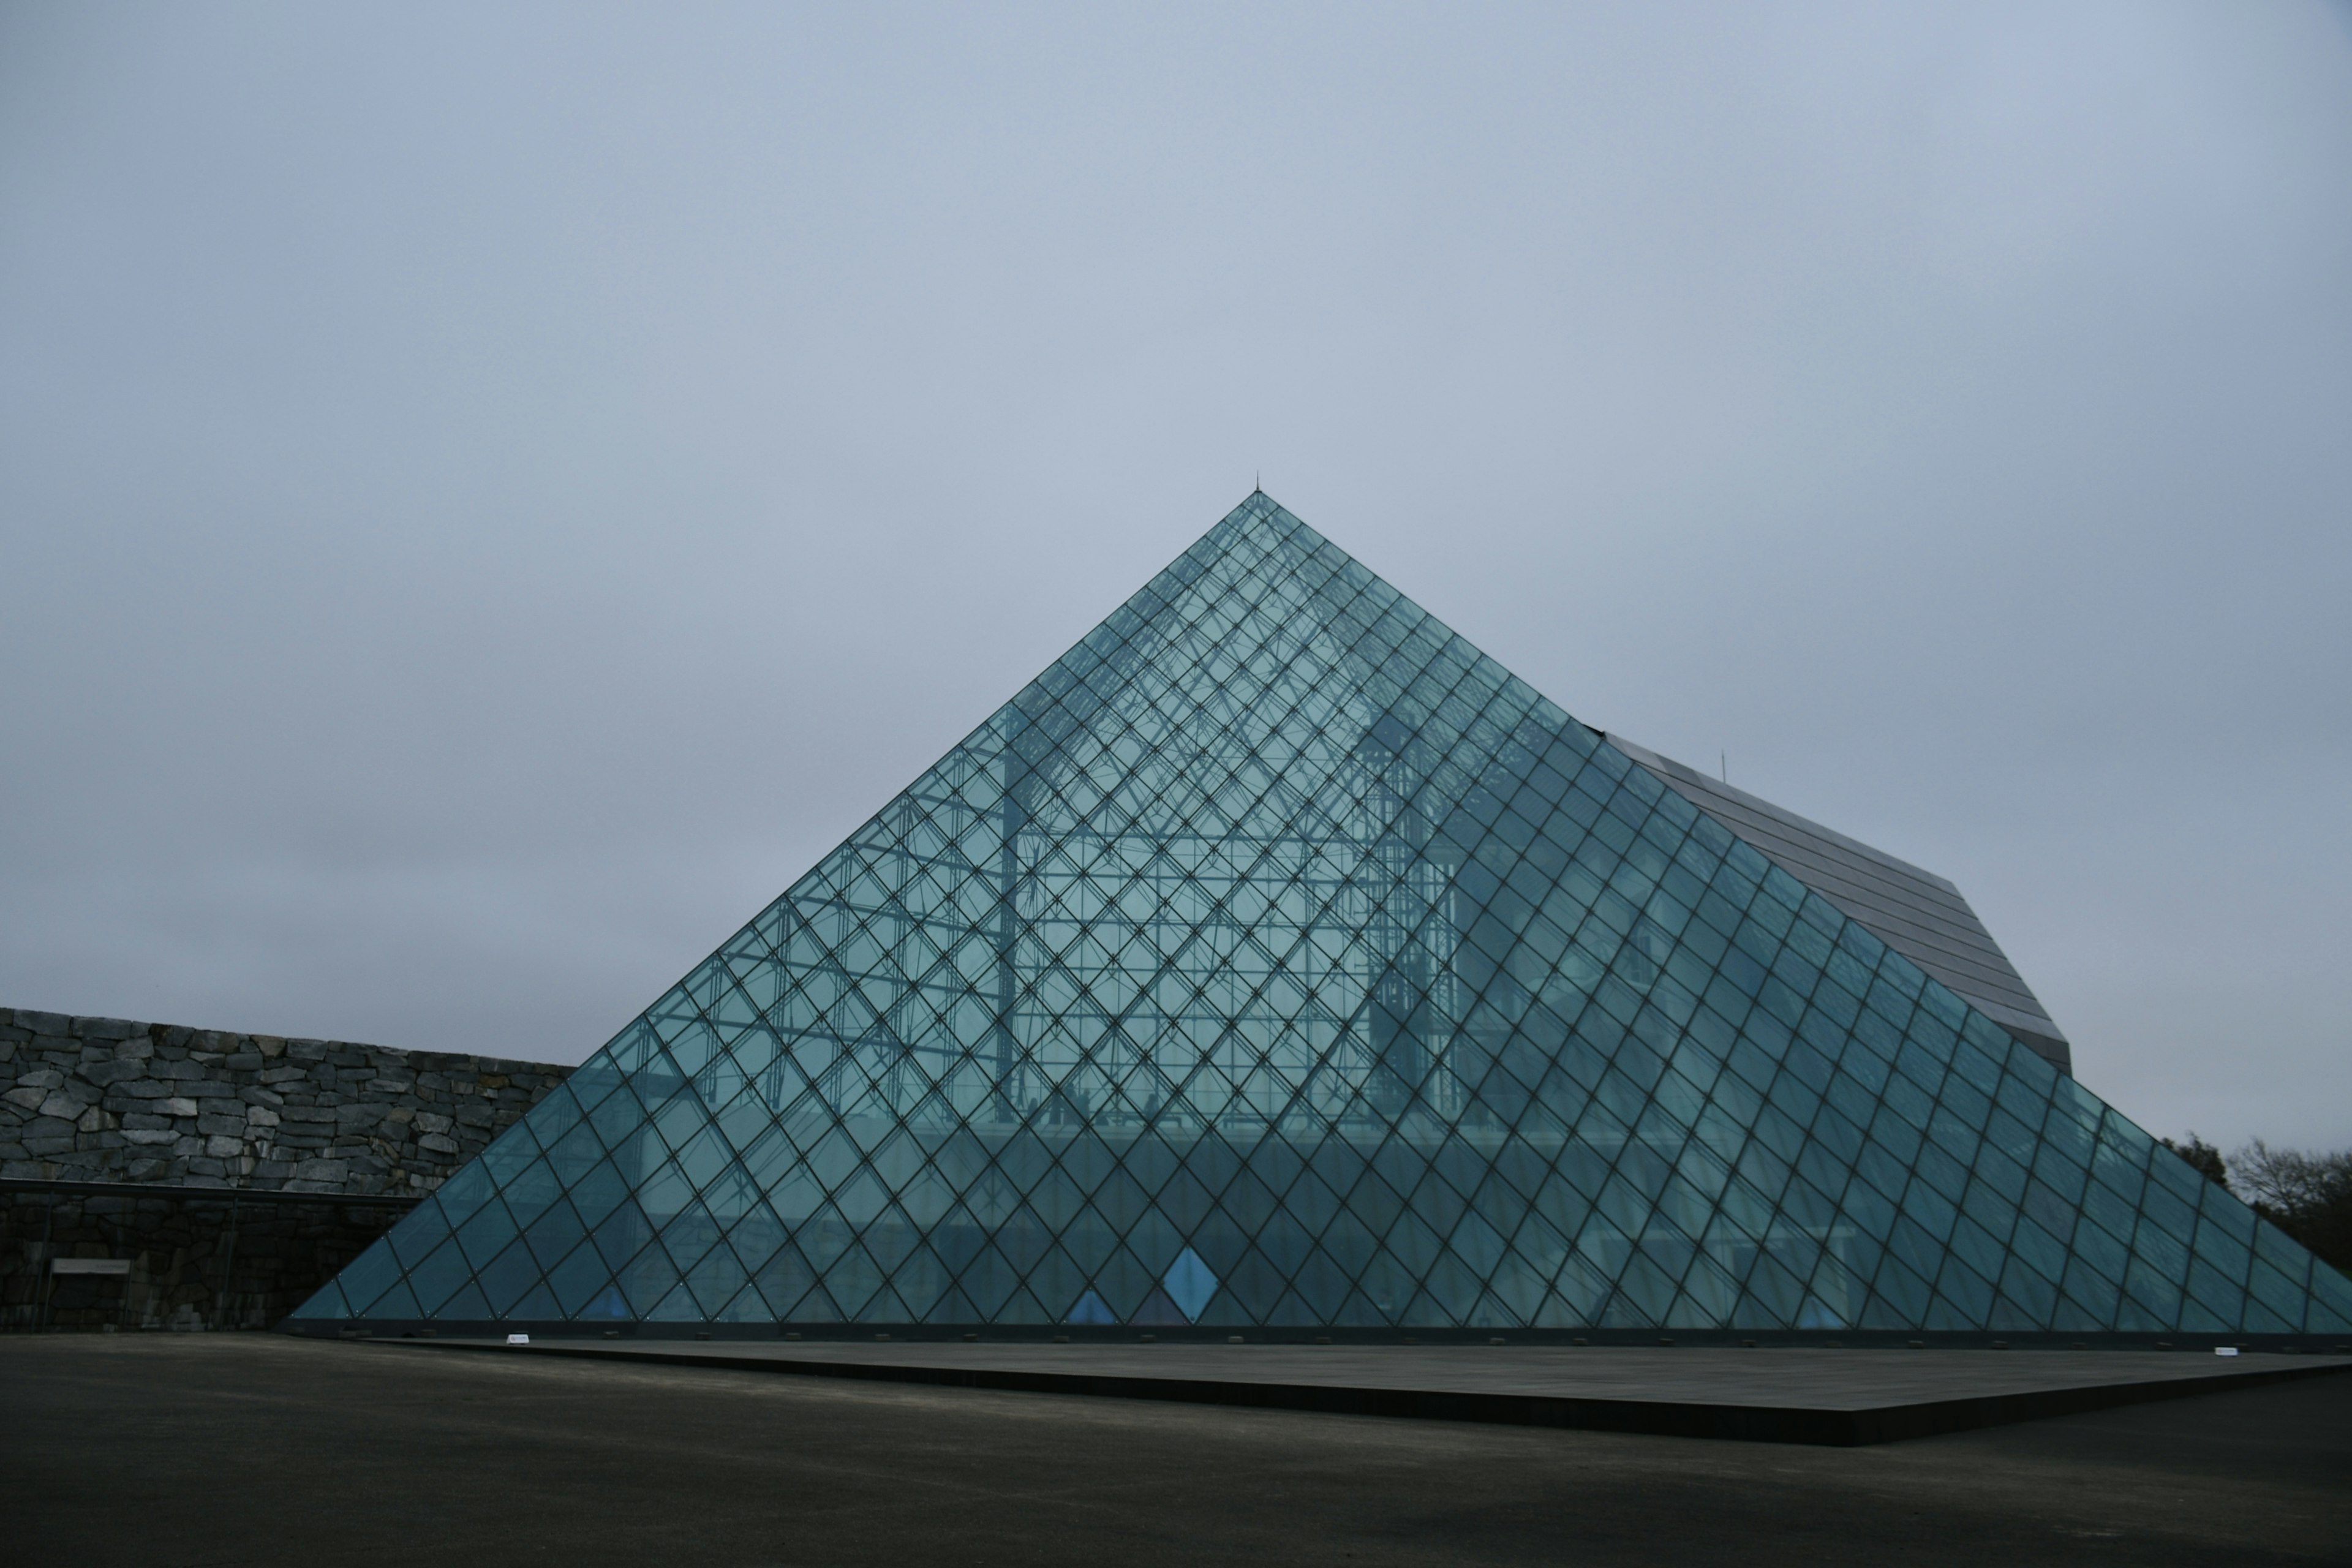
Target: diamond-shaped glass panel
x=1276 y=957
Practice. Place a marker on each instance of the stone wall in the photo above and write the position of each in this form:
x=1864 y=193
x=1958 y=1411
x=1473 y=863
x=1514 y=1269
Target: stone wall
x=200 y=1138
x=110 y=1099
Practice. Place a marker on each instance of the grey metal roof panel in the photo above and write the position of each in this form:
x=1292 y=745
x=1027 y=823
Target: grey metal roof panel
x=1917 y=914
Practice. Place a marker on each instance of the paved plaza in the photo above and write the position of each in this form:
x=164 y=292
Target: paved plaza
x=259 y=1450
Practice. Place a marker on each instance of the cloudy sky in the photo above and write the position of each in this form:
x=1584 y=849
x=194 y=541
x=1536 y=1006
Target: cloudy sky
x=489 y=494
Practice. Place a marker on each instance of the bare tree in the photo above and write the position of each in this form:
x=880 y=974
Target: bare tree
x=2308 y=1195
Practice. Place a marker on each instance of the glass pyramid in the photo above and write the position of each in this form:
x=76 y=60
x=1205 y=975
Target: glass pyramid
x=1276 y=958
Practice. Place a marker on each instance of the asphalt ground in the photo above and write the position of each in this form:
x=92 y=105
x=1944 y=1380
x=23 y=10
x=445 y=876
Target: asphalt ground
x=189 y=1450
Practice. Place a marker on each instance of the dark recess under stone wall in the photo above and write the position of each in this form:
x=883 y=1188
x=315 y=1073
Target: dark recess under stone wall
x=175 y=1154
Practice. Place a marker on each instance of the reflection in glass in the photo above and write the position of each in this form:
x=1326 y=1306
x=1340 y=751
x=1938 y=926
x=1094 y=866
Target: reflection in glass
x=1277 y=958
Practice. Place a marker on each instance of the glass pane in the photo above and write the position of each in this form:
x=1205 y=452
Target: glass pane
x=1276 y=956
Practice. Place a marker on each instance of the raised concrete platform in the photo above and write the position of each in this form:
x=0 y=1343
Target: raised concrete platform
x=1842 y=1397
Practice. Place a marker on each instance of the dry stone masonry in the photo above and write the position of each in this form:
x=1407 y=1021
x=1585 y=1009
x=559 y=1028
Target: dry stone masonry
x=111 y=1101
x=199 y=1138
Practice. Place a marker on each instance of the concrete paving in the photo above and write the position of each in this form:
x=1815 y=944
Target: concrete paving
x=1814 y=1396
x=262 y=1450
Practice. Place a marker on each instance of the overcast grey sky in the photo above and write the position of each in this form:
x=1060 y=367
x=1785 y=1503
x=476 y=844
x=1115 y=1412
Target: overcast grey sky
x=488 y=494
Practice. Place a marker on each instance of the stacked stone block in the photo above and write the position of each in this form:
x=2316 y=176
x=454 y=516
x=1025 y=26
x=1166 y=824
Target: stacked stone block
x=176 y=1108
x=110 y=1099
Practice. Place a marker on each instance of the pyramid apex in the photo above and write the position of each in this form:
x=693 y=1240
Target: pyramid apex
x=1277 y=958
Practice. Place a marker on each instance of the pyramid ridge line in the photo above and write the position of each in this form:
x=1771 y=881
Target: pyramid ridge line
x=1278 y=955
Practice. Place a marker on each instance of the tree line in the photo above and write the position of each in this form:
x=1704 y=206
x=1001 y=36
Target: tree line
x=2308 y=1195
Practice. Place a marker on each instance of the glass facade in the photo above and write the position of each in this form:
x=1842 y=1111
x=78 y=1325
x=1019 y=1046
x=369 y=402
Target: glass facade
x=1276 y=958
